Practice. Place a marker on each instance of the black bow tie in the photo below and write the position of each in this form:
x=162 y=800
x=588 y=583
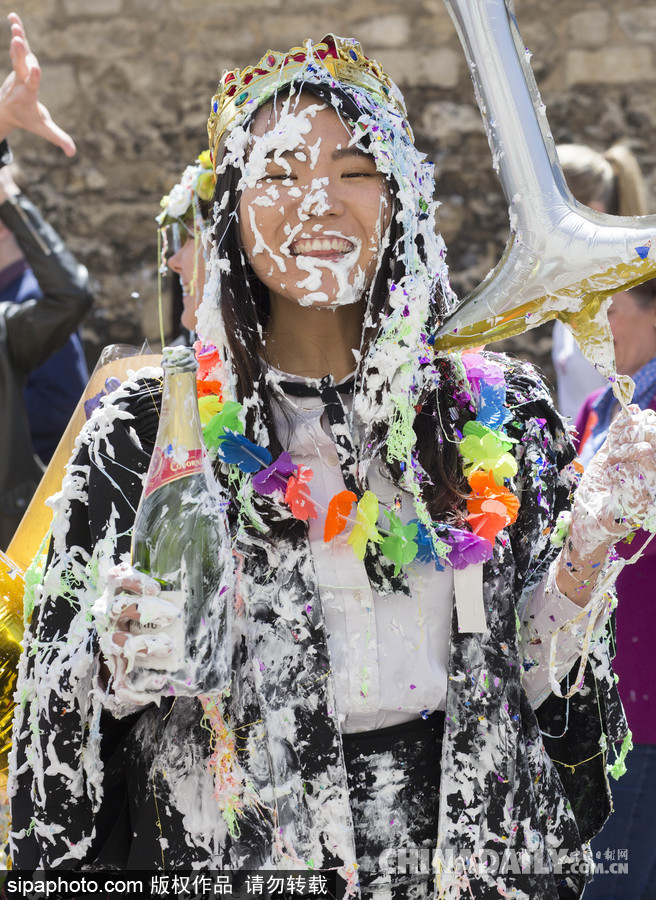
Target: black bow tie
x=302 y=389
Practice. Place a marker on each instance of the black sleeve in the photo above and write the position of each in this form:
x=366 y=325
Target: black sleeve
x=543 y=451
x=36 y=328
x=62 y=739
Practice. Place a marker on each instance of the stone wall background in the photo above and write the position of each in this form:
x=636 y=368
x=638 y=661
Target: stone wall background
x=131 y=80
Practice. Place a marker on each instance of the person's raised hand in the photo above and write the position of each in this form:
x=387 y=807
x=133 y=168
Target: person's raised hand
x=19 y=94
x=617 y=492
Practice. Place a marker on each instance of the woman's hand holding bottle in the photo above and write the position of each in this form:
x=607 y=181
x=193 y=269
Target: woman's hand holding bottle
x=132 y=619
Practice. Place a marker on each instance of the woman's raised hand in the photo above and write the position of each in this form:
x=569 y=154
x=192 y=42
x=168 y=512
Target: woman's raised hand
x=617 y=492
x=129 y=616
x=19 y=94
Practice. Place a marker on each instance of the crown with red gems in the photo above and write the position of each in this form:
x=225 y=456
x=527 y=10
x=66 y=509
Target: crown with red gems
x=241 y=91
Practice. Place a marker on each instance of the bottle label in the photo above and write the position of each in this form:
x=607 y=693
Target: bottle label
x=164 y=469
x=171 y=662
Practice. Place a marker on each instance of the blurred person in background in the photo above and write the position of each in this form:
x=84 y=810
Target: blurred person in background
x=184 y=216
x=53 y=389
x=632 y=827
x=30 y=331
x=611 y=183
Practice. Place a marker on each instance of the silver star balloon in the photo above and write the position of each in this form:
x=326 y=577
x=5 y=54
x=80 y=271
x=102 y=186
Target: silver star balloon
x=562 y=259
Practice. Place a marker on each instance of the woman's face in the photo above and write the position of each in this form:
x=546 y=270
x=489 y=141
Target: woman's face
x=634 y=332
x=189 y=264
x=314 y=210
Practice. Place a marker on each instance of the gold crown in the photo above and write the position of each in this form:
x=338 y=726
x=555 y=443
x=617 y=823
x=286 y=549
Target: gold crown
x=241 y=91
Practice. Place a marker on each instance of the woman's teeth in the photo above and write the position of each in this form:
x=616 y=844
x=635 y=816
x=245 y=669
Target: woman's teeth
x=321 y=246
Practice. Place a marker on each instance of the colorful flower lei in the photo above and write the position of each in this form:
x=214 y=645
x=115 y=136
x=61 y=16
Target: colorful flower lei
x=484 y=448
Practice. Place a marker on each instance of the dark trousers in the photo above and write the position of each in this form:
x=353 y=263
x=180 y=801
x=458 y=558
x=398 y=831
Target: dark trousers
x=394 y=784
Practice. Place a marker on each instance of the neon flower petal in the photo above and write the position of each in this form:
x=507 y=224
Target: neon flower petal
x=206 y=184
x=207 y=357
x=479 y=369
x=495 y=508
x=205 y=159
x=227 y=419
x=492 y=411
x=426 y=551
x=467 y=549
x=399 y=545
x=210 y=370
x=484 y=487
x=237 y=450
x=504 y=468
x=297 y=495
x=365 y=528
x=339 y=510
x=481 y=448
x=275 y=477
x=209 y=388
x=208 y=407
x=486 y=525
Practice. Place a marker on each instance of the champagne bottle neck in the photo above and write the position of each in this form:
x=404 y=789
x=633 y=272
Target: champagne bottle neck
x=179 y=447
x=179 y=424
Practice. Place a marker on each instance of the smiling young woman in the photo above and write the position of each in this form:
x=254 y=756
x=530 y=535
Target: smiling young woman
x=403 y=617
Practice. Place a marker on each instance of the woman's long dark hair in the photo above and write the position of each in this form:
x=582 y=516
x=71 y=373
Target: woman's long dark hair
x=245 y=309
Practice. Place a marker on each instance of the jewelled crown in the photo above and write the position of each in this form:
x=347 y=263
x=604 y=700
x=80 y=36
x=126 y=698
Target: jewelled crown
x=243 y=90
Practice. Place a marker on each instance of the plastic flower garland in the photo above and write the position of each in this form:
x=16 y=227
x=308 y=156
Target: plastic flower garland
x=484 y=449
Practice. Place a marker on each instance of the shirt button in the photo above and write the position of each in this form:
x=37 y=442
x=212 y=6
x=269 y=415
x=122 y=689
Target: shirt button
x=333 y=460
x=358 y=596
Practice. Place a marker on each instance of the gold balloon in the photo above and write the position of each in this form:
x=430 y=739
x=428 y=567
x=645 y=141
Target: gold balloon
x=11 y=634
x=563 y=260
x=12 y=579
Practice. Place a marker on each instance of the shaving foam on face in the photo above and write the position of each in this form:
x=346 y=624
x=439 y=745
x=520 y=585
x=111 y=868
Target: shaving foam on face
x=260 y=244
x=315 y=202
x=349 y=286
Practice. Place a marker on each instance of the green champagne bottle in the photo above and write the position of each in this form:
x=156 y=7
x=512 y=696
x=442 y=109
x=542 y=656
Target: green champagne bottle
x=181 y=539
